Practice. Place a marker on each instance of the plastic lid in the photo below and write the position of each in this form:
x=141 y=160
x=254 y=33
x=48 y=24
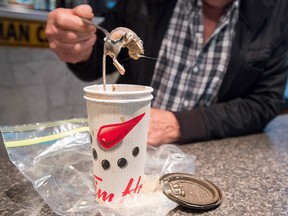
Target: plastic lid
x=190 y=191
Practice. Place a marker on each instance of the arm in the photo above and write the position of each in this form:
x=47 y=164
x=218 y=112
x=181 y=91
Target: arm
x=247 y=113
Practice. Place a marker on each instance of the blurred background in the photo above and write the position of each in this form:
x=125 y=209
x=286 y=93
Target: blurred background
x=35 y=86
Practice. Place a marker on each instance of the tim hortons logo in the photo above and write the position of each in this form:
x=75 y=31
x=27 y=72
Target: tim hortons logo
x=129 y=189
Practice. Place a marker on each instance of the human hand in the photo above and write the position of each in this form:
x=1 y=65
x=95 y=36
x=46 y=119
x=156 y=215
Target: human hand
x=163 y=127
x=69 y=37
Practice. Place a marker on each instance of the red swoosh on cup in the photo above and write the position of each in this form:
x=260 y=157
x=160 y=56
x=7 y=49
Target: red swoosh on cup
x=109 y=135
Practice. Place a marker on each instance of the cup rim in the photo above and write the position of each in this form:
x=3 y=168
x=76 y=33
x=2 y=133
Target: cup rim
x=146 y=90
x=149 y=98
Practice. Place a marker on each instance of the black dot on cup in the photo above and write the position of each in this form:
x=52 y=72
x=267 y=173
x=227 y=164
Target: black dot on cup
x=95 y=156
x=105 y=164
x=121 y=162
x=135 y=151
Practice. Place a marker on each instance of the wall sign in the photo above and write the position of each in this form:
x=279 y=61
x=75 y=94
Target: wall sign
x=25 y=33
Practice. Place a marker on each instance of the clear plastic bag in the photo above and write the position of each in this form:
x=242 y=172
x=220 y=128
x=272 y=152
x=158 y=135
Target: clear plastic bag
x=56 y=158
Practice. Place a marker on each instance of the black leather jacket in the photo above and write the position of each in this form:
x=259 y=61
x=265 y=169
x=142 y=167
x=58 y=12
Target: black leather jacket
x=252 y=90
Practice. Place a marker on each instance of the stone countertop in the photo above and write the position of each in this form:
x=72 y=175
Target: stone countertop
x=251 y=171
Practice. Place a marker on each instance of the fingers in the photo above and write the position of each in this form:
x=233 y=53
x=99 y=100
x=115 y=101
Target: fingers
x=163 y=128
x=73 y=52
x=65 y=19
x=69 y=37
x=154 y=134
x=84 y=11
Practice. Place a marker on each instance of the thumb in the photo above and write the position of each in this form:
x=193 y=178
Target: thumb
x=83 y=10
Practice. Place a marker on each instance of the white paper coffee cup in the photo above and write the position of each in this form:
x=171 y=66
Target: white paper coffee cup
x=118 y=121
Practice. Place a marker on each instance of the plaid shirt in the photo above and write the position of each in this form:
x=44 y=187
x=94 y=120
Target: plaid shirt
x=187 y=73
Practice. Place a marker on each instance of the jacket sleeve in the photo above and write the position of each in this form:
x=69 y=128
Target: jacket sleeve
x=241 y=115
